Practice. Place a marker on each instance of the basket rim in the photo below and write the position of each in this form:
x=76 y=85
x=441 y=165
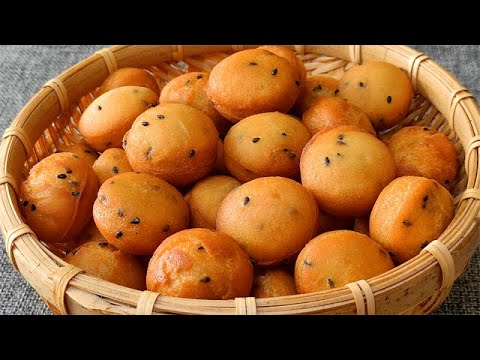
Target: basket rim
x=28 y=247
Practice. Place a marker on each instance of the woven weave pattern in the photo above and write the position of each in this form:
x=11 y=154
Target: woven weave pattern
x=24 y=77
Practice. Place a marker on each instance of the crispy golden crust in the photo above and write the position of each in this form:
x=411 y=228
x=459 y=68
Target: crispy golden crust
x=110 y=163
x=200 y=264
x=135 y=212
x=316 y=87
x=337 y=258
x=267 y=144
x=81 y=150
x=382 y=90
x=250 y=82
x=129 y=77
x=420 y=151
x=189 y=89
x=110 y=116
x=345 y=170
x=57 y=197
x=410 y=213
x=205 y=198
x=175 y=142
x=272 y=282
x=272 y=218
x=330 y=112
x=102 y=260
x=289 y=55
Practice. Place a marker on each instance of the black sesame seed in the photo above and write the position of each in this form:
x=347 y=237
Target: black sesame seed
x=161 y=116
x=340 y=136
x=61 y=176
x=389 y=99
x=115 y=170
x=424 y=244
x=68 y=171
x=317 y=88
x=200 y=247
x=426 y=129
x=447 y=182
x=103 y=244
x=338 y=154
x=88 y=151
x=135 y=221
x=246 y=201
x=118 y=234
x=191 y=153
x=205 y=279
x=252 y=63
x=112 y=182
x=145 y=123
x=153 y=104
x=274 y=71
x=75 y=193
x=406 y=223
x=148 y=154
x=340 y=142
x=33 y=207
x=255 y=140
x=120 y=212
x=424 y=201
x=336 y=91
x=307 y=262
x=327 y=161
x=25 y=203
x=253 y=261
x=297 y=83
x=284 y=134
x=199 y=77
x=291 y=154
x=330 y=282
x=75 y=251
x=360 y=84
x=391 y=253
x=166 y=228
x=99 y=107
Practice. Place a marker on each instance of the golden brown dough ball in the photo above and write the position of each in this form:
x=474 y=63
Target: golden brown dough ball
x=108 y=263
x=337 y=258
x=81 y=150
x=135 y=212
x=200 y=264
x=361 y=225
x=327 y=222
x=410 y=213
x=175 y=142
x=382 y=90
x=330 y=112
x=189 y=89
x=317 y=86
x=110 y=163
x=57 y=197
x=289 y=55
x=272 y=218
x=205 y=197
x=110 y=116
x=268 y=144
x=421 y=151
x=272 y=282
x=345 y=170
x=250 y=82
x=129 y=77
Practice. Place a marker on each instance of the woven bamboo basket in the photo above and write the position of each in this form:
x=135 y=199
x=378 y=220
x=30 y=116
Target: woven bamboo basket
x=416 y=287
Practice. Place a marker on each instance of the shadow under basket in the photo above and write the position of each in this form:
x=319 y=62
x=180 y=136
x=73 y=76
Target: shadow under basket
x=418 y=286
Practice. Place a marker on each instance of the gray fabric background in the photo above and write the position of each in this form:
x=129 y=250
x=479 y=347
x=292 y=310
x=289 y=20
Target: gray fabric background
x=24 y=69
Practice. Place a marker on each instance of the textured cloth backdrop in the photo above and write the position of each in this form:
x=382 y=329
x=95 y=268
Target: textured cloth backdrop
x=24 y=69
